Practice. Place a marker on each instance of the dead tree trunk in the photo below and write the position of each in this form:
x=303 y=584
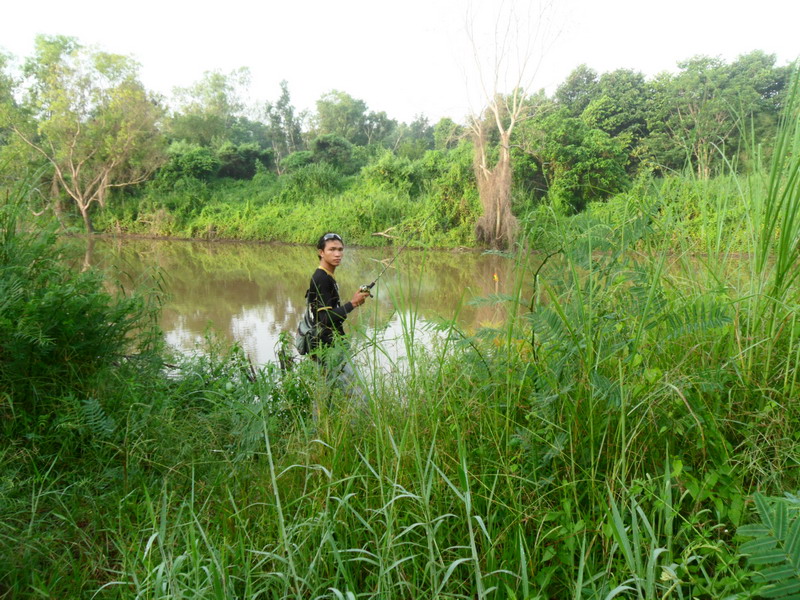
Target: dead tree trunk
x=497 y=226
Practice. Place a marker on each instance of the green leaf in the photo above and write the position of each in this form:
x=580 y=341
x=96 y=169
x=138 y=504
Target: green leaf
x=763 y=510
x=755 y=530
x=793 y=542
x=780 y=520
x=758 y=546
x=778 y=573
x=767 y=558
x=781 y=590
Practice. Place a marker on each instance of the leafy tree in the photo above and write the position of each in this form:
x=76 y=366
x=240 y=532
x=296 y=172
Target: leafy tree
x=7 y=103
x=335 y=151
x=297 y=160
x=578 y=90
x=378 y=127
x=579 y=163
x=340 y=114
x=446 y=134
x=698 y=114
x=414 y=139
x=392 y=172
x=619 y=108
x=208 y=111
x=96 y=125
x=620 y=105
x=241 y=162
x=284 y=127
x=188 y=161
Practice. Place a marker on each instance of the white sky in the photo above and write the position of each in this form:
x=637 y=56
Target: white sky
x=406 y=57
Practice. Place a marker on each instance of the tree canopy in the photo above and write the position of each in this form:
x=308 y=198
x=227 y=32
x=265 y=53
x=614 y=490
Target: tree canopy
x=86 y=113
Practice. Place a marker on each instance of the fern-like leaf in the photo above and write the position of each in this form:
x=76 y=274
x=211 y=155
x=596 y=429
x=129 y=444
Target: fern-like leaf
x=697 y=318
x=96 y=419
x=776 y=547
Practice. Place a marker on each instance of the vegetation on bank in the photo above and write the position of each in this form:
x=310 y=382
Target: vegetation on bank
x=106 y=153
x=630 y=431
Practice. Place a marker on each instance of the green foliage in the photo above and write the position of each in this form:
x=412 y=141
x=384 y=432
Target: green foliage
x=309 y=182
x=242 y=161
x=341 y=115
x=285 y=134
x=701 y=116
x=392 y=173
x=296 y=160
x=579 y=163
x=447 y=134
x=334 y=150
x=187 y=160
x=774 y=551
x=60 y=329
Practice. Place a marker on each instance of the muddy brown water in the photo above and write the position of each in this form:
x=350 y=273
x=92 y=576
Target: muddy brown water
x=250 y=293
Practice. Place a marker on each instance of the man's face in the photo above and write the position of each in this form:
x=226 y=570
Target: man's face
x=332 y=253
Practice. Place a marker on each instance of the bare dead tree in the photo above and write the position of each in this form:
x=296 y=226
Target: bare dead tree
x=519 y=47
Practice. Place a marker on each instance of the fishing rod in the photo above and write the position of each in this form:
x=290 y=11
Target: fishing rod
x=368 y=286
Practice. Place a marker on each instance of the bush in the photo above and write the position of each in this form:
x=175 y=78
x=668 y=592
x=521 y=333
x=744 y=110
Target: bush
x=310 y=181
x=187 y=161
x=242 y=161
x=59 y=328
x=392 y=173
x=297 y=160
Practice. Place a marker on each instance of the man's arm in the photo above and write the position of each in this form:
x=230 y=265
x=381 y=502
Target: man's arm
x=328 y=314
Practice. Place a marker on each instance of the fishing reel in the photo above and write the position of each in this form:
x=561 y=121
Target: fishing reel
x=367 y=287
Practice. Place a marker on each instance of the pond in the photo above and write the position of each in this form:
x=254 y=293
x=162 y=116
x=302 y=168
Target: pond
x=249 y=293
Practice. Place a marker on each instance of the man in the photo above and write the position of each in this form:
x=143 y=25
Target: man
x=323 y=296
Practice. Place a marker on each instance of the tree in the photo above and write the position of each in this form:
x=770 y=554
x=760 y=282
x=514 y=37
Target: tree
x=378 y=127
x=6 y=97
x=94 y=122
x=578 y=90
x=210 y=111
x=446 y=134
x=242 y=161
x=340 y=114
x=699 y=114
x=415 y=138
x=580 y=163
x=333 y=150
x=285 y=133
x=513 y=65
x=619 y=108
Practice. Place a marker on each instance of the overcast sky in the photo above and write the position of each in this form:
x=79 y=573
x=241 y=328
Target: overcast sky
x=404 y=58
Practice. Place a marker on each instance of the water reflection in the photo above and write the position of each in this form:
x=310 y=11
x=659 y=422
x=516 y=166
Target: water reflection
x=250 y=293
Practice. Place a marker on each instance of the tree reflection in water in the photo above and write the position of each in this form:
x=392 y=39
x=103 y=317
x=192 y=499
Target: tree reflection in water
x=250 y=293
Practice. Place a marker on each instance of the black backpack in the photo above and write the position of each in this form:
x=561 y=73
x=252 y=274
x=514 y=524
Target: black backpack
x=308 y=330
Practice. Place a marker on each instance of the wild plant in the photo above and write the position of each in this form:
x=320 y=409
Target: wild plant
x=774 y=552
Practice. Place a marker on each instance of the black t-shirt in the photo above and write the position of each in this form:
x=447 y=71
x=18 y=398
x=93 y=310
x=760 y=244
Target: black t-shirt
x=323 y=294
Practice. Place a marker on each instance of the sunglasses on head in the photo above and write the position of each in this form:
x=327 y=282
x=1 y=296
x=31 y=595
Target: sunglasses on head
x=331 y=236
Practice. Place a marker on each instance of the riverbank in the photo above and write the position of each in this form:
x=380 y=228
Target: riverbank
x=709 y=215
x=609 y=435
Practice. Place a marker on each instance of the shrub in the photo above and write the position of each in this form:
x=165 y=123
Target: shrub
x=59 y=328
x=297 y=160
x=187 y=161
x=393 y=173
x=242 y=161
x=310 y=181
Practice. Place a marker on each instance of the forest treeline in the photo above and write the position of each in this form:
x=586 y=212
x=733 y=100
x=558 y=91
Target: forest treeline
x=79 y=123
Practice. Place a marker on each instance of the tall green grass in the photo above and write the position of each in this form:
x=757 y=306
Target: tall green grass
x=604 y=441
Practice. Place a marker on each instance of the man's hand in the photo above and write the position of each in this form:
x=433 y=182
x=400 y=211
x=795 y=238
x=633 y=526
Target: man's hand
x=359 y=298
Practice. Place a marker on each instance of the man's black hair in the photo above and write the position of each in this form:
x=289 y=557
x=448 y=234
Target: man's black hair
x=327 y=237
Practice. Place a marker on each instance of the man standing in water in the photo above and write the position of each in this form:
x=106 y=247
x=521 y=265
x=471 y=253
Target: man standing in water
x=323 y=296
